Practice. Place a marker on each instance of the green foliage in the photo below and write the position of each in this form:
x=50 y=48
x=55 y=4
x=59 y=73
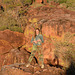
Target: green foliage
x=11 y=6
x=52 y=6
x=65 y=48
x=26 y=1
x=7 y=21
x=1 y=11
x=15 y=28
x=8 y=1
x=22 y=11
x=61 y=1
x=70 y=3
x=3 y=28
x=18 y=4
x=36 y=5
x=12 y=28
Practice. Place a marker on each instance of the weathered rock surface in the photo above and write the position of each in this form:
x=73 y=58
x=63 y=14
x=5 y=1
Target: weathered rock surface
x=54 y=23
x=10 y=43
x=32 y=70
x=15 y=56
x=15 y=39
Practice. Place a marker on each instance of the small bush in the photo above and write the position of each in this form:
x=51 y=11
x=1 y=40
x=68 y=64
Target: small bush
x=11 y=6
x=3 y=28
x=15 y=28
x=36 y=5
x=65 y=48
x=26 y=2
x=70 y=3
x=12 y=28
x=8 y=1
x=7 y=21
x=22 y=11
x=18 y=4
x=52 y=6
x=1 y=11
x=61 y=1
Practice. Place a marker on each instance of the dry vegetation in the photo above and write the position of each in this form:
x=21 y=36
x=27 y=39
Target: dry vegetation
x=65 y=48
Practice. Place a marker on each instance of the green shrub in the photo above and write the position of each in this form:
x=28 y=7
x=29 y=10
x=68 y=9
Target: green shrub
x=8 y=1
x=11 y=6
x=36 y=5
x=1 y=11
x=65 y=48
x=26 y=1
x=3 y=28
x=70 y=3
x=7 y=21
x=15 y=28
x=61 y=1
x=52 y=6
x=18 y=4
x=22 y=11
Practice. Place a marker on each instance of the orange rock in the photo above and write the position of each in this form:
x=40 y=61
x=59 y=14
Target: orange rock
x=54 y=24
x=9 y=42
x=15 y=72
x=39 y=1
x=15 y=39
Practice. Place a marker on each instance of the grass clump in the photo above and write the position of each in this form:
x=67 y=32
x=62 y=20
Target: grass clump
x=35 y=5
x=65 y=49
x=12 y=28
x=8 y=1
x=26 y=2
x=8 y=21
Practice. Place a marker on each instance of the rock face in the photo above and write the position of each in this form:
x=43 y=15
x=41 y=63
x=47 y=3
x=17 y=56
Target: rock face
x=10 y=43
x=32 y=70
x=9 y=40
x=54 y=23
x=40 y=1
x=15 y=47
x=15 y=56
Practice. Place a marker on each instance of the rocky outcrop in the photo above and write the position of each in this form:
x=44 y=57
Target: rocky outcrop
x=10 y=43
x=15 y=47
x=9 y=40
x=13 y=57
x=32 y=70
x=54 y=23
x=15 y=39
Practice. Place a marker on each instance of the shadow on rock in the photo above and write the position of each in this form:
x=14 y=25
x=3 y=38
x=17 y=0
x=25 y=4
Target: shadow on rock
x=71 y=70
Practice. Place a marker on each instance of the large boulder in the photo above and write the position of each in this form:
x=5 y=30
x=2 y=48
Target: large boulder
x=32 y=70
x=15 y=56
x=10 y=43
x=14 y=72
x=10 y=38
